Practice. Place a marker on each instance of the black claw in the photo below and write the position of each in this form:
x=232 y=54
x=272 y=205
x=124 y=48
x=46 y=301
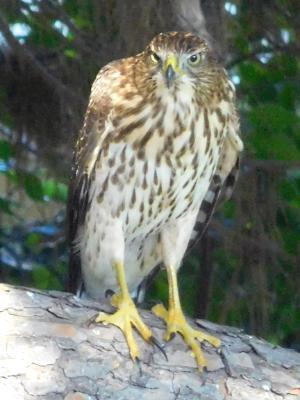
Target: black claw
x=172 y=335
x=139 y=364
x=157 y=344
x=109 y=293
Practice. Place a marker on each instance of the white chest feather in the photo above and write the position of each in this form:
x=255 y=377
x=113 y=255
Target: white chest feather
x=145 y=182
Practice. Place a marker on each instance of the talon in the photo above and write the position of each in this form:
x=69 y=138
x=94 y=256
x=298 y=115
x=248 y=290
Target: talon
x=156 y=343
x=109 y=293
x=176 y=322
x=139 y=365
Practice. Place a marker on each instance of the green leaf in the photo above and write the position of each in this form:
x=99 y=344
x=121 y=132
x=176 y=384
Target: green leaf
x=252 y=72
x=229 y=209
x=288 y=190
x=41 y=277
x=55 y=190
x=62 y=192
x=70 y=53
x=5 y=150
x=33 y=187
x=287 y=64
x=5 y=206
x=44 y=278
x=287 y=96
x=33 y=239
x=274 y=133
x=159 y=289
x=13 y=176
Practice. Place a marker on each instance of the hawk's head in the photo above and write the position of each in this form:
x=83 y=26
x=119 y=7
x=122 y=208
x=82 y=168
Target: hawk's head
x=176 y=58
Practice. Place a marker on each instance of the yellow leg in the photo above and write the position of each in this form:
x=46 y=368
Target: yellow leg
x=176 y=321
x=127 y=315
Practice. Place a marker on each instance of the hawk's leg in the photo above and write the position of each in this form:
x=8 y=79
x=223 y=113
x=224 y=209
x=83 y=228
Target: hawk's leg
x=174 y=242
x=126 y=317
x=176 y=321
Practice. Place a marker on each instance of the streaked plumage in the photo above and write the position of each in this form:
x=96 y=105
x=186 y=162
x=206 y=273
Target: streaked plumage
x=158 y=145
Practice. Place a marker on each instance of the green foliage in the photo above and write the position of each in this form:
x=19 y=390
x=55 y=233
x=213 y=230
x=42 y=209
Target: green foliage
x=45 y=278
x=33 y=187
x=275 y=131
x=5 y=150
x=55 y=190
x=159 y=289
x=6 y=206
x=22 y=244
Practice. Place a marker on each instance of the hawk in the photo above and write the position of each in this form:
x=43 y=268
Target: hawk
x=159 y=144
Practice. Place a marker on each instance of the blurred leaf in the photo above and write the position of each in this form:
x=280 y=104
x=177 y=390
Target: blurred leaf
x=287 y=96
x=70 y=53
x=252 y=72
x=273 y=118
x=33 y=187
x=13 y=176
x=242 y=44
x=288 y=190
x=41 y=277
x=229 y=209
x=62 y=192
x=55 y=190
x=5 y=150
x=274 y=130
x=159 y=289
x=49 y=187
x=33 y=239
x=288 y=65
x=5 y=206
x=45 y=279
x=45 y=37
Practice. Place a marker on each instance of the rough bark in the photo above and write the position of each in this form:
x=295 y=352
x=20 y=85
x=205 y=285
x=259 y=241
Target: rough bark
x=48 y=352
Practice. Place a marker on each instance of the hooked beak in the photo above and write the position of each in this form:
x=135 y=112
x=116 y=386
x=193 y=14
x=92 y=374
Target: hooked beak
x=171 y=70
x=170 y=75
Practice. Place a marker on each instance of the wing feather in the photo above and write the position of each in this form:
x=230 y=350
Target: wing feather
x=222 y=184
x=87 y=150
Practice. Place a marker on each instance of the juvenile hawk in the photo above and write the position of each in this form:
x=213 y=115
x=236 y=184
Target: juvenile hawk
x=158 y=145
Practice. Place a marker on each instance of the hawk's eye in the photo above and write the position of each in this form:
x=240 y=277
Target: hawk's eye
x=195 y=59
x=154 y=58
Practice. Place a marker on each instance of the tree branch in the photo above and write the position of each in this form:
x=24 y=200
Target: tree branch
x=275 y=48
x=25 y=55
x=79 y=41
x=271 y=165
x=48 y=352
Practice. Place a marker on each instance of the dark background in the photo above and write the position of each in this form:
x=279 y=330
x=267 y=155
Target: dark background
x=245 y=271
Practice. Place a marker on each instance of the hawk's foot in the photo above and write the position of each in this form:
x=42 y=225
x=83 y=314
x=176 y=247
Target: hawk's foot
x=125 y=318
x=176 y=322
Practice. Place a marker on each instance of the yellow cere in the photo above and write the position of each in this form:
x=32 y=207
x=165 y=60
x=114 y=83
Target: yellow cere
x=172 y=61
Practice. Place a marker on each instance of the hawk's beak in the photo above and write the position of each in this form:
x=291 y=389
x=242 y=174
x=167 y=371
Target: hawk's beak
x=171 y=70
